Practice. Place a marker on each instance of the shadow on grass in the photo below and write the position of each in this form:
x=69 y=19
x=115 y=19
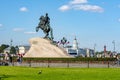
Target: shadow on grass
x=2 y=77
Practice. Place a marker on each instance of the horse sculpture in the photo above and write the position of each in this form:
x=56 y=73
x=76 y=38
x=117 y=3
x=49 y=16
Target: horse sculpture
x=44 y=25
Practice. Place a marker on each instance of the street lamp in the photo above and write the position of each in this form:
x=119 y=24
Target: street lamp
x=113 y=46
x=94 y=49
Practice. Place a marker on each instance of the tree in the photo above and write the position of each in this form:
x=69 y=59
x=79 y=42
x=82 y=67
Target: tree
x=12 y=50
x=2 y=47
x=99 y=52
x=17 y=49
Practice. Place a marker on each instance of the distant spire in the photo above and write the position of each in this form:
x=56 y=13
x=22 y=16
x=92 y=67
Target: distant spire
x=75 y=38
x=75 y=43
x=104 y=48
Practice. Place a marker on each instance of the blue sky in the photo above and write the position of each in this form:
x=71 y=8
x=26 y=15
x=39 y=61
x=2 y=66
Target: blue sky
x=91 y=21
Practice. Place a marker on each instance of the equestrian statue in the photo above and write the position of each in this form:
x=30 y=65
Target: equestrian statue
x=44 y=25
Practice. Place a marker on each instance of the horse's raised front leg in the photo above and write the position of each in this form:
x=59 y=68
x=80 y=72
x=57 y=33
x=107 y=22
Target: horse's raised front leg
x=37 y=29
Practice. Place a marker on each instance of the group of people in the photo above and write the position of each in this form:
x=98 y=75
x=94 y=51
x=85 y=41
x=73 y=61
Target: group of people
x=19 y=58
x=9 y=58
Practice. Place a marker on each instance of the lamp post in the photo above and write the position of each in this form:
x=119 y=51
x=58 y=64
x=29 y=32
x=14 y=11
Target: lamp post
x=113 y=46
x=114 y=53
x=64 y=41
x=94 y=49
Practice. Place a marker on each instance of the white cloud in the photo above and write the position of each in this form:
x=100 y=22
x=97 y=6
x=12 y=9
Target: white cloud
x=64 y=8
x=81 y=5
x=118 y=6
x=78 y=1
x=23 y=9
x=103 y=3
x=30 y=32
x=18 y=29
x=119 y=19
x=92 y=8
x=1 y=25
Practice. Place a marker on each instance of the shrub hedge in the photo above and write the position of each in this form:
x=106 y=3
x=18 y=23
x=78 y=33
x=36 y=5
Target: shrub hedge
x=69 y=59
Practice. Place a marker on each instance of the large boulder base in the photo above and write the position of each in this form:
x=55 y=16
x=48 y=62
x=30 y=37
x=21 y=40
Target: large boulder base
x=43 y=48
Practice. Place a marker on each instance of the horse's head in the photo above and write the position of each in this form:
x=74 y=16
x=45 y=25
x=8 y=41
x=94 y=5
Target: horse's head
x=41 y=23
x=42 y=18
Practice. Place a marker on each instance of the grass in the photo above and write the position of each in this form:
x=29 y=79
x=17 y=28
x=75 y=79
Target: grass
x=26 y=73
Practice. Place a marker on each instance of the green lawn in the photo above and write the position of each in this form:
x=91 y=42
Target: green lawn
x=26 y=73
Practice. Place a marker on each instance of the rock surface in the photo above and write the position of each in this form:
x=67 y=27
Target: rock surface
x=44 y=49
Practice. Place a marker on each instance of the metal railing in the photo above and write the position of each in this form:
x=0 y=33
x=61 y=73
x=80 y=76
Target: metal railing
x=69 y=64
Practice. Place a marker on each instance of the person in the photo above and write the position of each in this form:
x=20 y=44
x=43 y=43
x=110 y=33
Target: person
x=6 y=56
x=6 y=59
x=47 y=19
x=10 y=58
x=19 y=58
x=118 y=59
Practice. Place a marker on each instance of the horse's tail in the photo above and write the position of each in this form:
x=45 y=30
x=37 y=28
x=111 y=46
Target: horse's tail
x=51 y=33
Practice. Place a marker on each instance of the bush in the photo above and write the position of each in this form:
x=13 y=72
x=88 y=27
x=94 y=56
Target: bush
x=69 y=59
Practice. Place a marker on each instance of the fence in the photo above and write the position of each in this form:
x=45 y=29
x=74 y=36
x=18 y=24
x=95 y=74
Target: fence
x=68 y=64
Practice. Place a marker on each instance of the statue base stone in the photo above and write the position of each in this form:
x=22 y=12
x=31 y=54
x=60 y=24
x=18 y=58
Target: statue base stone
x=42 y=48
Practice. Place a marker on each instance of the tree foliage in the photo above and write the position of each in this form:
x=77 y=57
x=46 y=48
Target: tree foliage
x=2 y=47
x=12 y=50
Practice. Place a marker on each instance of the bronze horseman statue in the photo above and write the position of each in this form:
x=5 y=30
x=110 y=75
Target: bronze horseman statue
x=44 y=24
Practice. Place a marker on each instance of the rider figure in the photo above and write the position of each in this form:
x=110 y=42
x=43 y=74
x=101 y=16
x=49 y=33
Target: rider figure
x=47 y=21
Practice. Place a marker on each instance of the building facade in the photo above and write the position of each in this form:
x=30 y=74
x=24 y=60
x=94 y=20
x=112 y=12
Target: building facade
x=76 y=51
x=23 y=49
